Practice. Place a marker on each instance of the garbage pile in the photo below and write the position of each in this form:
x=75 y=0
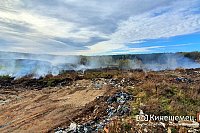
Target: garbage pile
x=183 y=80
x=121 y=83
x=113 y=82
x=117 y=105
x=99 y=83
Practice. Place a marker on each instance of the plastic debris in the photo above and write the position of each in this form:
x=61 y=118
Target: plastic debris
x=117 y=106
x=182 y=79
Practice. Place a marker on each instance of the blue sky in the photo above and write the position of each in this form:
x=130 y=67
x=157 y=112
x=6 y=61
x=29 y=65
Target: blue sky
x=96 y=27
x=182 y=43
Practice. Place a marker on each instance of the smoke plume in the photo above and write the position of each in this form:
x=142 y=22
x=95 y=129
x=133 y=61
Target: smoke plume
x=19 y=65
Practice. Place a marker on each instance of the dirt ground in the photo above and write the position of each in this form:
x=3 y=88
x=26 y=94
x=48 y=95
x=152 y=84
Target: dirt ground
x=43 y=110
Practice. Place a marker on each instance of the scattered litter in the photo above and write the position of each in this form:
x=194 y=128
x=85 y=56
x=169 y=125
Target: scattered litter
x=183 y=80
x=120 y=97
x=116 y=106
x=98 y=85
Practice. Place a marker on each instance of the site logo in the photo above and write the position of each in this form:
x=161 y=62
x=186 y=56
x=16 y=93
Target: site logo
x=145 y=117
x=142 y=118
x=198 y=117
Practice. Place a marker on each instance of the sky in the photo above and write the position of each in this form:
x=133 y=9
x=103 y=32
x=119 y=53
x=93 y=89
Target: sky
x=99 y=27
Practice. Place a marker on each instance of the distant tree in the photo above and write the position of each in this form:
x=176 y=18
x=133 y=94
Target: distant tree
x=84 y=60
x=192 y=55
x=124 y=63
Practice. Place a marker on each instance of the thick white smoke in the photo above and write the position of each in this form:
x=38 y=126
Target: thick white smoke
x=19 y=65
x=167 y=61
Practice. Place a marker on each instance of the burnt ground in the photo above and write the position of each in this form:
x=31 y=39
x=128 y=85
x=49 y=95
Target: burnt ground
x=44 y=104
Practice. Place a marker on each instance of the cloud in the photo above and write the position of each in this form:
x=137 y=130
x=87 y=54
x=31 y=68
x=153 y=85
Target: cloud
x=137 y=50
x=174 y=22
x=91 y=27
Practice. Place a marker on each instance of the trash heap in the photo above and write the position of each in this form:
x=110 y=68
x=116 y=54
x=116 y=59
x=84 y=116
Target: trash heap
x=183 y=80
x=113 y=82
x=117 y=106
x=117 y=83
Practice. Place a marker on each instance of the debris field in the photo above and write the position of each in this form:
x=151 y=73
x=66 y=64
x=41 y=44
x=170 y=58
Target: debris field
x=91 y=101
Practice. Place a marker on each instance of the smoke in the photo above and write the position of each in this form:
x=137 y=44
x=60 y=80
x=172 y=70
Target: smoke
x=147 y=62
x=19 y=65
x=23 y=67
x=159 y=62
x=100 y=61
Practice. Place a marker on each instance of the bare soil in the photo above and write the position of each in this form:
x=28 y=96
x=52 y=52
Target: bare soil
x=42 y=110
